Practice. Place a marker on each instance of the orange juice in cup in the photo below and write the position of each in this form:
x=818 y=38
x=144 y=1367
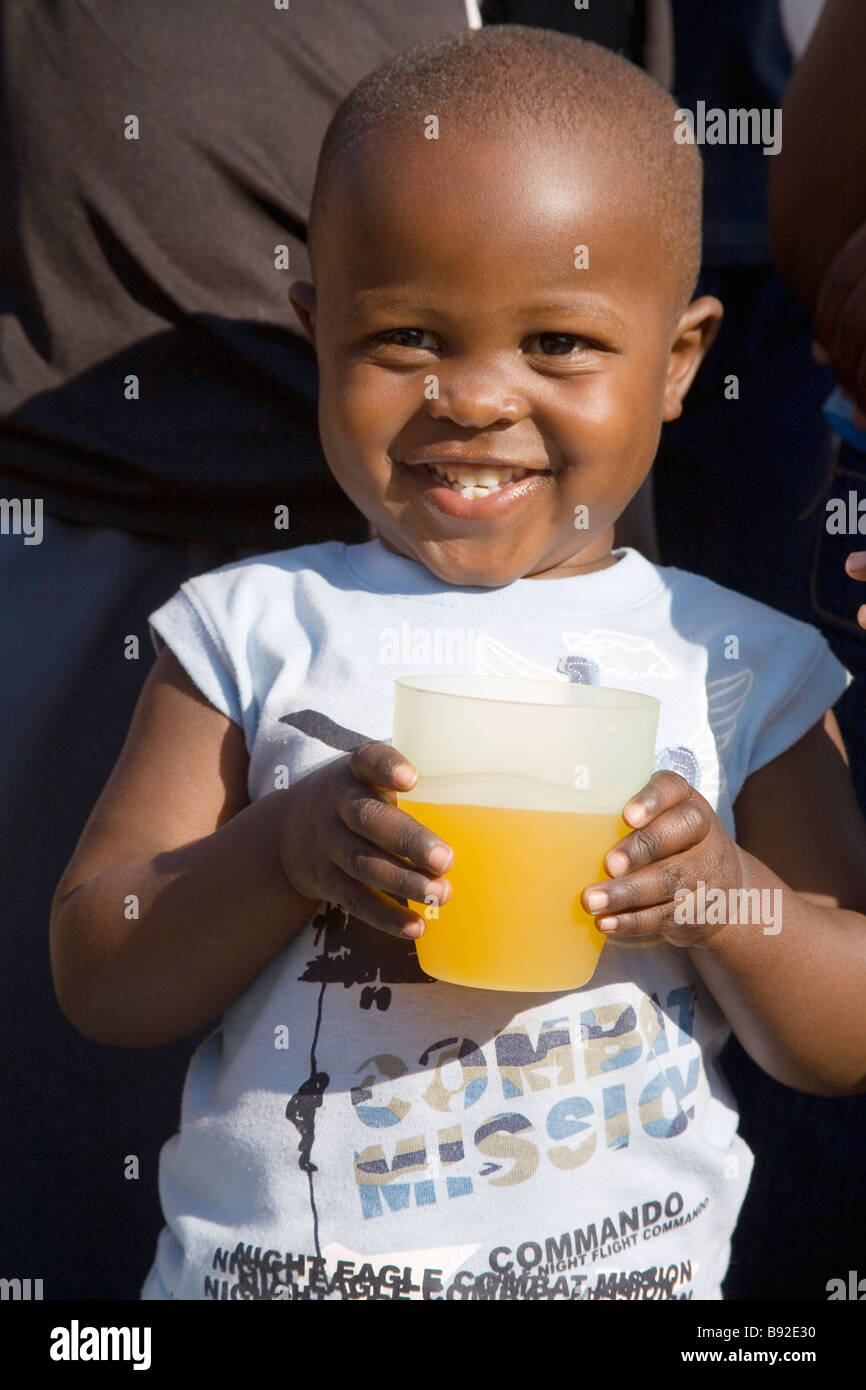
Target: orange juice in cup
x=526 y=781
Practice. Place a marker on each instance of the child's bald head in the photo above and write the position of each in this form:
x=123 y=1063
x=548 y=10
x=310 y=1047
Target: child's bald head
x=510 y=299
x=508 y=80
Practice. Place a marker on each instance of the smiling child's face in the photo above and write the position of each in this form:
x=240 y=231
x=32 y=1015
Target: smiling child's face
x=454 y=332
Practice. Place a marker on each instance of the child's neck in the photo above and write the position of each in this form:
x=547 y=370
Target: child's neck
x=598 y=555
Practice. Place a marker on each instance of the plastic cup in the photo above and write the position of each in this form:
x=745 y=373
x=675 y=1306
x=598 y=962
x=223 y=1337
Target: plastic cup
x=526 y=780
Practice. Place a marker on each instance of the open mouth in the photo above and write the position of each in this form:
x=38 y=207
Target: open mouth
x=480 y=480
x=478 y=490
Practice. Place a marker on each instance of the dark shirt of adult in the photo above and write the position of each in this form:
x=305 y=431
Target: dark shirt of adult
x=151 y=166
x=732 y=56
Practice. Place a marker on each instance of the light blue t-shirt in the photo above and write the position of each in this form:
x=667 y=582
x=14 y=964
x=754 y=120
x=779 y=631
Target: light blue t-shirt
x=354 y=1129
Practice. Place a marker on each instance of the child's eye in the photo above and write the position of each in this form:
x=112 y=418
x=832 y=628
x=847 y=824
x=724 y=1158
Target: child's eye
x=407 y=338
x=556 y=344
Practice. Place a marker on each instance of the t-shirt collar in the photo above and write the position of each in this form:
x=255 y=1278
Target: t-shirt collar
x=632 y=578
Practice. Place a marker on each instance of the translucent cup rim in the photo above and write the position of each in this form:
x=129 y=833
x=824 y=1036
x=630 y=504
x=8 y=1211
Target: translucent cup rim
x=631 y=699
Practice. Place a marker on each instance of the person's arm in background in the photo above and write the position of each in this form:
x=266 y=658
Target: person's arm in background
x=817 y=182
x=817 y=202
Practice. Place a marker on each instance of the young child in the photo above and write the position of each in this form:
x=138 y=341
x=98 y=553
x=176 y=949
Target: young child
x=505 y=238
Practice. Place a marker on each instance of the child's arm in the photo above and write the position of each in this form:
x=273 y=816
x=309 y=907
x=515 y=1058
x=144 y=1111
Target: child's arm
x=221 y=886
x=795 y=996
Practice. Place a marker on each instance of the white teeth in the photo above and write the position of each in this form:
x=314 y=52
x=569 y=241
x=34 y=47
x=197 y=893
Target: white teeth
x=472 y=484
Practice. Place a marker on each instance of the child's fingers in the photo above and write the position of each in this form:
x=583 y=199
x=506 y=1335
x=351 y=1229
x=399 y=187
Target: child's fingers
x=663 y=790
x=671 y=832
x=375 y=908
x=394 y=830
x=855 y=566
x=380 y=765
x=642 y=923
x=653 y=886
x=658 y=921
x=362 y=861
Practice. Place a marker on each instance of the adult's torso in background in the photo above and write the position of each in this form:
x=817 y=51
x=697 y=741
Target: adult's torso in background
x=146 y=248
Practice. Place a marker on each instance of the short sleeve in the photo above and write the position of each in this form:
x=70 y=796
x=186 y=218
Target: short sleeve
x=184 y=625
x=806 y=680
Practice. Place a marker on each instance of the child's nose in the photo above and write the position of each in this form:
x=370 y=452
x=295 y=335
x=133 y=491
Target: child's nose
x=474 y=399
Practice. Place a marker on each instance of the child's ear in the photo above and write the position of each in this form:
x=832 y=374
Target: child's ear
x=693 y=338
x=303 y=300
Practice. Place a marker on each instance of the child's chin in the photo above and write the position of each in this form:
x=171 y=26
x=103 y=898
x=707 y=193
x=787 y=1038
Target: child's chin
x=466 y=567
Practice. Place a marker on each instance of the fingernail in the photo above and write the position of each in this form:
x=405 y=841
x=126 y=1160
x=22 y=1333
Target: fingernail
x=440 y=858
x=617 y=862
x=607 y=924
x=856 y=560
x=596 y=900
x=404 y=775
x=635 y=812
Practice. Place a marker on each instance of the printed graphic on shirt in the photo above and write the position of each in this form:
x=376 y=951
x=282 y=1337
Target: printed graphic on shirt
x=528 y=1110
x=607 y=657
x=317 y=725
x=464 y=1116
x=563 y=1266
x=461 y=1117
x=621 y=655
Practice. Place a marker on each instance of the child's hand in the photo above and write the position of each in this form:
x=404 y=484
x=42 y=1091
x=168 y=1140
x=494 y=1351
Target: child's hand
x=679 y=841
x=855 y=566
x=343 y=840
